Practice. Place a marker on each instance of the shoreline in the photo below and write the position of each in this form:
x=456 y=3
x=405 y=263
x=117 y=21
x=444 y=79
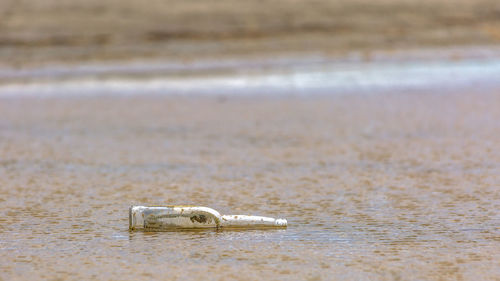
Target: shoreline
x=401 y=70
x=203 y=64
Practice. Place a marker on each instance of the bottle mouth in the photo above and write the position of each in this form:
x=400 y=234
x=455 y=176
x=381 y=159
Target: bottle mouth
x=281 y=222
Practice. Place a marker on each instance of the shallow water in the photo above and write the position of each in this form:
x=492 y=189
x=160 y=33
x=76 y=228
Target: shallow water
x=387 y=186
x=282 y=76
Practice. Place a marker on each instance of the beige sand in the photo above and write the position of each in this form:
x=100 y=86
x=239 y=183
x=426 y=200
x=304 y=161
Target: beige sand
x=39 y=31
x=381 y=187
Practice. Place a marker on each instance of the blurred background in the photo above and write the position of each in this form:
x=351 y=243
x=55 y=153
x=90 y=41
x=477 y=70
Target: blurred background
x=40 y=31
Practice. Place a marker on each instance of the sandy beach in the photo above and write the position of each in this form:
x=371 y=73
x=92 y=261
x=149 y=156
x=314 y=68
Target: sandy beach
x=400 y=186
x=371 y=126
x=37 y=32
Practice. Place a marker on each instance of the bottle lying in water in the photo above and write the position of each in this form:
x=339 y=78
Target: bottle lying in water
x=184 y=217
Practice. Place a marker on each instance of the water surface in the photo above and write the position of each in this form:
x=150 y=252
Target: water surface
x=304 y=76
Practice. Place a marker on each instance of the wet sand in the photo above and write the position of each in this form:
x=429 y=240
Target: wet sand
x=386 y=186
